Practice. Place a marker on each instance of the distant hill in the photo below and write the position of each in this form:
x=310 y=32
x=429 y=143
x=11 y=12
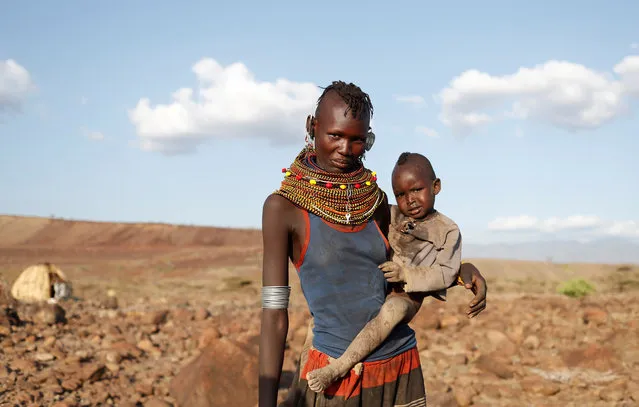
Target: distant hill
x=27 y=231
x=611 y=251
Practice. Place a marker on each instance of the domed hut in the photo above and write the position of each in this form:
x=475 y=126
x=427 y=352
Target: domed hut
x=41 y=282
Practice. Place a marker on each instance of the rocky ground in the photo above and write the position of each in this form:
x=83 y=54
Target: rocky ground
x=525 y=350
x=183 y=325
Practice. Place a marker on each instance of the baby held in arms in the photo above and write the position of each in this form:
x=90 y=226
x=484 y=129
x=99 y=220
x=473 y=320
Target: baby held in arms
x=425 y=260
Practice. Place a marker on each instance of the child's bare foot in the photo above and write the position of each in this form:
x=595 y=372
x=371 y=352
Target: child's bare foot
x=320 y=379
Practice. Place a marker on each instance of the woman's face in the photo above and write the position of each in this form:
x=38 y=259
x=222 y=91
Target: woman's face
x=340 y=138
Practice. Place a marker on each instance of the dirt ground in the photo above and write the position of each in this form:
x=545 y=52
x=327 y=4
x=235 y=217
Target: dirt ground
x=182 y=321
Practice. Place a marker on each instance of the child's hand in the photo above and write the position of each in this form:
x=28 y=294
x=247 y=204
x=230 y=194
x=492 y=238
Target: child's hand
x=393 y=272
x=474 y=281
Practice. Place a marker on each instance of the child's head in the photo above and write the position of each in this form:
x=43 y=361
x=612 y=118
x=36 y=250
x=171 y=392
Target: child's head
x=415 y=185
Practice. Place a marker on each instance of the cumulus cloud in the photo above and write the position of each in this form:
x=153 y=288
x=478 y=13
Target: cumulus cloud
x=564 y=94
x=428 y=132
x=590 y=224
x=228 y=103
x=410 y=99
x=15 y=85
x=628 y=71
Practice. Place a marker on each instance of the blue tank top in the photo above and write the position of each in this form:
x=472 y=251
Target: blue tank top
x=344 y=287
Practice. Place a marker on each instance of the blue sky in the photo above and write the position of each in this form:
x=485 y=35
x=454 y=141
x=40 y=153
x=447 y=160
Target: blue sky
x=528 y=113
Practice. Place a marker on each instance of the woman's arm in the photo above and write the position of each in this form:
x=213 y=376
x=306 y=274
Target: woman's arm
x=275 y=235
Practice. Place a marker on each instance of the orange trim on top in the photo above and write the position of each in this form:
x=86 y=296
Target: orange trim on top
x=373 y=374
x=307 y=239
x=383 y=237
x=345 y=228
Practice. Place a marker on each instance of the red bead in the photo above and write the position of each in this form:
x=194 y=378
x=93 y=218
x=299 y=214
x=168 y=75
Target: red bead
x=358 y=185
x=283 y=170
x=375 y=178
x=329 y=185
x=298 y=177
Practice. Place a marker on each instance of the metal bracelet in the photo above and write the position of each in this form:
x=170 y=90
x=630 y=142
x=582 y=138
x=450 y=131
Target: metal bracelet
x=275 y=296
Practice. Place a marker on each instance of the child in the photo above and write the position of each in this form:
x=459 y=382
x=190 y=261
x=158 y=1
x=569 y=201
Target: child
x=426 y=258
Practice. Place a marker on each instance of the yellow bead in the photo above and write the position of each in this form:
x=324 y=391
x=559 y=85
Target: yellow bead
x=373 y=173
x=368 y=183
x=288 y=173
x=312 y=182
x=342 y=186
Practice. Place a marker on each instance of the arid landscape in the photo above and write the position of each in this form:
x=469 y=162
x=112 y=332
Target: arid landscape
x=162 y=315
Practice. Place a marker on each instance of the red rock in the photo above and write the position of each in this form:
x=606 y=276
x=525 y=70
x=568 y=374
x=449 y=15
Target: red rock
x=531 y=342
x=592 y=357
x=448 y=321
x=25 y=366
x=155 y=402
x=182 y=315
x=201 y=314
x=126 y=350
x=71 y=384
x=595 y=316
x=492 y=364
x=537 y=385
x=464 y=396
x=208 y=336
x=94 y=372
x=155 y=318
x=144 y=388
x=614 y=391
x=224 y=374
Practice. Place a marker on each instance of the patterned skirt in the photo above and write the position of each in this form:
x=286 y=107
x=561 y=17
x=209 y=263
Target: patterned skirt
x=394 y=382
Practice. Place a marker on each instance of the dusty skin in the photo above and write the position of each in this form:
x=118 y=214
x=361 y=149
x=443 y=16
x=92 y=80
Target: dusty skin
x=201 y=285
x=395 y=310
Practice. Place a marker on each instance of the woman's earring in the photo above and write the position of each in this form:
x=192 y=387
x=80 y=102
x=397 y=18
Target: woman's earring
x=370 y=140
x=310 y=141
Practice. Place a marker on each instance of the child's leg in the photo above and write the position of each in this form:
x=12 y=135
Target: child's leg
x=294 y=392
x=394 y=310
x=307 y=345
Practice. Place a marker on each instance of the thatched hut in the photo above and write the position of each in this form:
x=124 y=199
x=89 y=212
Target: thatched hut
x=41 y=282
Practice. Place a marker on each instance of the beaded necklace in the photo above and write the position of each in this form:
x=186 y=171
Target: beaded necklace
x=349 y=199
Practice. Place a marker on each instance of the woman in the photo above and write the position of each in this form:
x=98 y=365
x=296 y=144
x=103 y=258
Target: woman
x=331 y=220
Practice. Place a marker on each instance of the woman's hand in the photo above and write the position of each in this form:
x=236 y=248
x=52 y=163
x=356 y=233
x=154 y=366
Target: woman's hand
x=474 y=281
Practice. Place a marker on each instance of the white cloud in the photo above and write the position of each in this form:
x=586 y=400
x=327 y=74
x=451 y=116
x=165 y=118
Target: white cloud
x=634 y=45
x=410 y=99
x=628 y=71
x=15 y=84
x=590 y=224
x=523 y=222
x=92 y=134
x=564 y=94
x=228 y=103
x=629 y=228
x=428 y=132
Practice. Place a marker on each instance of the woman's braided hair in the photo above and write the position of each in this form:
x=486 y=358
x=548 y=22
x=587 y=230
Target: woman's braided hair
x=358 y=101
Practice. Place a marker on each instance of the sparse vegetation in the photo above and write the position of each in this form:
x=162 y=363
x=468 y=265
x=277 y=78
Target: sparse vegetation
x=576 y=288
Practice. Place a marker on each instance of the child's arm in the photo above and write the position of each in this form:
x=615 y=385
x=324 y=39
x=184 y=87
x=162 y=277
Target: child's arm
x=441 y=275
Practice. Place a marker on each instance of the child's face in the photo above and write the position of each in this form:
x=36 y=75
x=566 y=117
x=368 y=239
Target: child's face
x=414 y=191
